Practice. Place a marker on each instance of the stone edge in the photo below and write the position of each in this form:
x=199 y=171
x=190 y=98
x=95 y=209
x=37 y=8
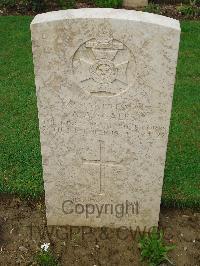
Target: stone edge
x=106 y=13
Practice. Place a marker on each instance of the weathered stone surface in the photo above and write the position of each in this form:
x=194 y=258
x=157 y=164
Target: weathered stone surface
x=135 y=3
x=104 y=81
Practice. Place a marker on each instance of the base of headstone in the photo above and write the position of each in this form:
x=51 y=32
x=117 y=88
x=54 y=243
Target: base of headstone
x=135 y=3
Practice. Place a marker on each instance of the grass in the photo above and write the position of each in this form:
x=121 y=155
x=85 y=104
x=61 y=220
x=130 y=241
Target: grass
x=20 y=167
x=46 y=258
x=182 y=170
x=153 y=248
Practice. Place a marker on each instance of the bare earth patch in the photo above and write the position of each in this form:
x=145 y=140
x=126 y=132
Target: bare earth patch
x=23 y=229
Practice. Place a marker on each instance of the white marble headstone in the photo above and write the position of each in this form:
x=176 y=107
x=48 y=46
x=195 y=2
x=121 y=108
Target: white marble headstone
x=104 y=81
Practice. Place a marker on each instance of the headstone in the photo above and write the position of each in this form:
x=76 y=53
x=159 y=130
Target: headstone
x=104 y=82
x=135 y=3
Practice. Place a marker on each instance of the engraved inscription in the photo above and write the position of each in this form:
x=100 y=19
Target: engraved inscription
x=101 y=162
x=102 y=65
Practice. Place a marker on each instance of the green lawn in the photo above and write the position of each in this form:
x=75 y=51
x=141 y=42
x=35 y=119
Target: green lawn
x=20 y=168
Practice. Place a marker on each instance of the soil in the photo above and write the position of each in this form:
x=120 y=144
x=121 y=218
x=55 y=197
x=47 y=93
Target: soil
x=23 y=230
x=168 y=10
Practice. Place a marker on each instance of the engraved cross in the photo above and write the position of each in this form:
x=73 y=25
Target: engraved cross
x=101 y=162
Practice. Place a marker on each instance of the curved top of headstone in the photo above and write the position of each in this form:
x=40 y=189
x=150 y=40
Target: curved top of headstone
x=106 y=13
